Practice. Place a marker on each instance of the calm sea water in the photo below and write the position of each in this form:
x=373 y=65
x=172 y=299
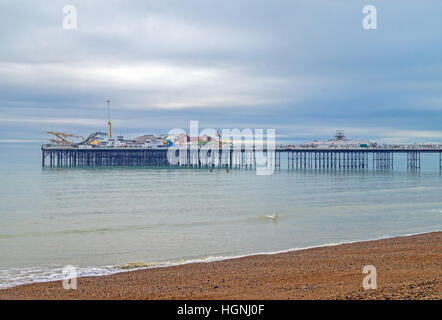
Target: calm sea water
x=111 y=219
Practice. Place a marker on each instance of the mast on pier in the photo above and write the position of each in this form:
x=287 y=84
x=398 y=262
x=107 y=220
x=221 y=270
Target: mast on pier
x=109 y=122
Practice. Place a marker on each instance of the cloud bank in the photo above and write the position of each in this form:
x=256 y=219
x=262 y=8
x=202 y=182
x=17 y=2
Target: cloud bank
x=304 y=68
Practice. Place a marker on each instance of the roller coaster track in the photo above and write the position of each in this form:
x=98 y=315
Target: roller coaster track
x=93 y=137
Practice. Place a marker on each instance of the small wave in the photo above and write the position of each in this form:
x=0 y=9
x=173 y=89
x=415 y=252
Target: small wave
x=125 y=228
x=135 y=265
x=264 y=217
x=274 y=217
x=61 y=232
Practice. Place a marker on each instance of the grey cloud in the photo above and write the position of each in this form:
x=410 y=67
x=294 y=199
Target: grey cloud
x=279 y=64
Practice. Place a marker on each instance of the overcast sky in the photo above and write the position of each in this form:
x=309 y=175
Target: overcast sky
x=304 y=68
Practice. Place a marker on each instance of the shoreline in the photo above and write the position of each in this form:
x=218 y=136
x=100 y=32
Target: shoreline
x=154 y=282
x=137 y=266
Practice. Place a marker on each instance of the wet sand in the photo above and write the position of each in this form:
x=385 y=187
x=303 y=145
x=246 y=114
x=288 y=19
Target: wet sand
x=407 y=268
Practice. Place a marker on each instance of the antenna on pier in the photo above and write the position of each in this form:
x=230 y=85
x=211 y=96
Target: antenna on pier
x=109 y=122
x=339 y=135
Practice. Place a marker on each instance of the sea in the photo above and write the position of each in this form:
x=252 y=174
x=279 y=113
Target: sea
x=108 y=220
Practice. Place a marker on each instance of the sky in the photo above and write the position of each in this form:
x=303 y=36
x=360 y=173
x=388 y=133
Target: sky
x=303 y=68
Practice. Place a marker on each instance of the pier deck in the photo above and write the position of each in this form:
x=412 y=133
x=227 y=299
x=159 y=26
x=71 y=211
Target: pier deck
x=360 y=158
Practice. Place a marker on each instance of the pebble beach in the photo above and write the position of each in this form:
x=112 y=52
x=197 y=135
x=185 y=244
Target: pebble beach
x=407 y=267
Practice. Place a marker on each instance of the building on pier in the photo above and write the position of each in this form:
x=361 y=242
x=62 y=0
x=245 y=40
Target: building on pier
x=339 y=141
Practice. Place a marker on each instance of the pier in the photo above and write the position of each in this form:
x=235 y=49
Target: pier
x=297 y=158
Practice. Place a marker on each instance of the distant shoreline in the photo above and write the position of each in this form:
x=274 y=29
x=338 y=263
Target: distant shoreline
x=408 y=267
